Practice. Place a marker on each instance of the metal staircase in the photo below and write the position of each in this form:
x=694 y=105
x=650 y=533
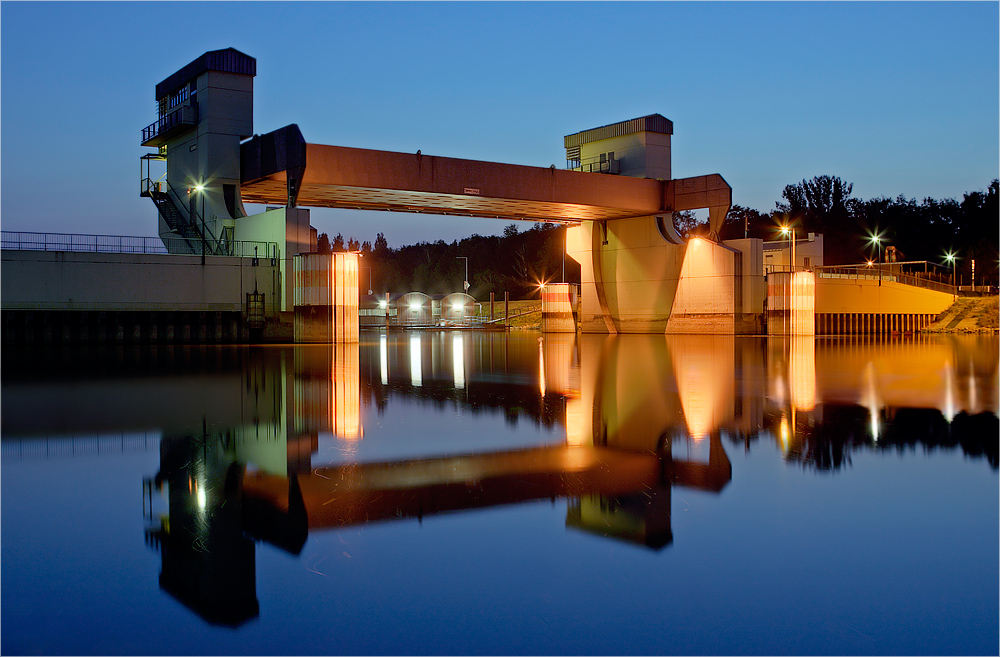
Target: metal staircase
x=173 y=216
x=188 y=228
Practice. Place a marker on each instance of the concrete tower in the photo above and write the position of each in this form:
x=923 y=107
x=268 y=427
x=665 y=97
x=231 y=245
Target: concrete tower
x=639 y=148
x=205 y=110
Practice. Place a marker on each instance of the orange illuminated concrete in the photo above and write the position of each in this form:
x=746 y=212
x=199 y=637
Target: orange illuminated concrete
x=342 y=177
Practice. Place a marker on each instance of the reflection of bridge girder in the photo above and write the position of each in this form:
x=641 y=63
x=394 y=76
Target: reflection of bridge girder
x=342 y=177
x=362 y=493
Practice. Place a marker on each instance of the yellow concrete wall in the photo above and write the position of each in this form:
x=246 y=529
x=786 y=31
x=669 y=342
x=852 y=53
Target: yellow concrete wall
x=636 y=272
x=851 y=295
x=706 y=291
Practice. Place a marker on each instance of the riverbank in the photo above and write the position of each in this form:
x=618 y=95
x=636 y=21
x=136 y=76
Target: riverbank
x=969 y=315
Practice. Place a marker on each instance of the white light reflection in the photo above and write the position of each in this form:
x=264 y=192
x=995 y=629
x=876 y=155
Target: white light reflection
x=541 y=366
x=972 y=388
x=416 y=377
x=383 y=353
x=784 y=433
x=870 y=398
x=458 y=360
x=949 y=410
x=201 y=496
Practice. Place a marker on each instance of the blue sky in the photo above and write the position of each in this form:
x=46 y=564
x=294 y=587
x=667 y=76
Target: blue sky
x=896 y=97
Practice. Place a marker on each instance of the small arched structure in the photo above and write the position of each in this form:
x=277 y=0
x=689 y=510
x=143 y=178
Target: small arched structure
x=413 y=309
x=457 y=309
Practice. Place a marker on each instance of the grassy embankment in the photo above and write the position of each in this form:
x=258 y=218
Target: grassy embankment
x=969 y=315
x=523 y=314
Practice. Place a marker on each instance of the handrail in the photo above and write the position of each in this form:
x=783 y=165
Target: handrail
x=183 y=114
x=30 y=241
x=887 y=273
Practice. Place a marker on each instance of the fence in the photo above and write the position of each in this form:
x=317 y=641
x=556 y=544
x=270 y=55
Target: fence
x=887 y=272
x=27 y=241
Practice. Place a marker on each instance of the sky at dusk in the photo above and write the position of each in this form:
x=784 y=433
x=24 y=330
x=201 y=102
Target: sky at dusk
x=896 y=97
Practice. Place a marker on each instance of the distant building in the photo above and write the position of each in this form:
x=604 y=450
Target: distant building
x=808 y=253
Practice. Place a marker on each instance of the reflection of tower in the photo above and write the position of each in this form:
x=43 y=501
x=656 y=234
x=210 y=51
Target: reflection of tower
x=703 y=367
x=327 y=391
x=207 y=561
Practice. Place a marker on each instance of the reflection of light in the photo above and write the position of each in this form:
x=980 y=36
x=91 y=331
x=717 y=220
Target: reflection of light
x=802 y=374
x=703 y=370
x=576 y=422
x=784 y=434
x=201 y=497
x=415 y=373
x=972 y=388
x=382 y=303
x=949 y=409
x=458 y=360
x=541 y=367
x=347 y=392
x=383 y=352
x=870 y=398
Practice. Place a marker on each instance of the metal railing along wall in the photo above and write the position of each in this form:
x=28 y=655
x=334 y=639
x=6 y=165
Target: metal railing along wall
x=27 y=241
x=888 y=273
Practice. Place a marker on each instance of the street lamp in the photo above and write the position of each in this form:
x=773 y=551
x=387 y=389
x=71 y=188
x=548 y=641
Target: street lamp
x=876 y=239
x=950 y=257
x=369 y=279
x=790 y=232
x=466 y=281
x=200 y=189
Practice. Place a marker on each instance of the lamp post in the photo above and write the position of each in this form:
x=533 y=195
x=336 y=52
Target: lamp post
x=950 y=257
x=465 y=283
x=369 y=279
x=877 y=241
x=790 y=232
x=200 y=188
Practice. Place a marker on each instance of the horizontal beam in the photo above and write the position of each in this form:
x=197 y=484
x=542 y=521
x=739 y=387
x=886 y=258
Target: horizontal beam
x=343 y=177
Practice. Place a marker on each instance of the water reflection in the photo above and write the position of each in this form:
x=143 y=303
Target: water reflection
x=634 y=416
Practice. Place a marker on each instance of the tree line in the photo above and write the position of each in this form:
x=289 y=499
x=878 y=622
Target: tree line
x=517 y=261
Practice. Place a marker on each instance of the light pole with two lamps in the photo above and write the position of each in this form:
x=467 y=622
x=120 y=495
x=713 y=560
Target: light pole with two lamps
x=876 y=239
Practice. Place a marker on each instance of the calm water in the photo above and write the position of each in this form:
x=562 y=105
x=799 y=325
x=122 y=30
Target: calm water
x=448 y=492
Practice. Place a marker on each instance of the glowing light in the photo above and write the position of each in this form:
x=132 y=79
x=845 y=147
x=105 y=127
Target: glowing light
x=383 y=353
x=457 y=306
x=785 y=230
x=950 y=409
x=870 y=399
x=784 y=434
x=871 y=263
x=382 y=303
x=414 y=305
x=347 y=393
x=202 y=498
x=199 y=188
x=541 y=367
x=802 y=373
x=458 y=360
x=416 y=373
